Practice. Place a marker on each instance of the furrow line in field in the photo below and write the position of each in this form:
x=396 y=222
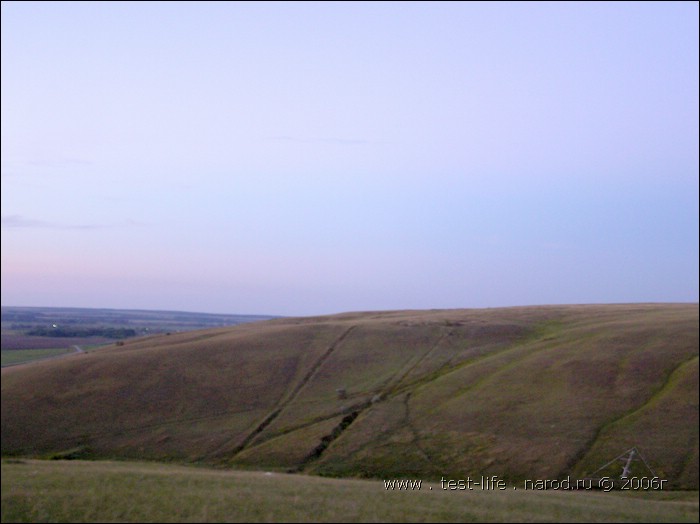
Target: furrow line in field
x=345 y=423
x=293 y=395
x=393 y=384
x=414 y=431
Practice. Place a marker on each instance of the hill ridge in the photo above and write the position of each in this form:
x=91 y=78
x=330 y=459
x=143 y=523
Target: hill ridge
x=521 y=392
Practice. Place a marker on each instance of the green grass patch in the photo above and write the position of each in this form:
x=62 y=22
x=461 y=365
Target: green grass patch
x=19 y=356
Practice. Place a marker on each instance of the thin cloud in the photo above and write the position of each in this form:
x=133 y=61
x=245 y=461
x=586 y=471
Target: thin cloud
x=16 y=221
x=20 y=222
x=333 y=140
x=59 y=162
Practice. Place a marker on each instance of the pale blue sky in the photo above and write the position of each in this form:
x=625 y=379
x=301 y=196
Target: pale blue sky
x=309 y=158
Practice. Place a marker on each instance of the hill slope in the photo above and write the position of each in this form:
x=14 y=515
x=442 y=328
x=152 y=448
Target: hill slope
x=523 y=393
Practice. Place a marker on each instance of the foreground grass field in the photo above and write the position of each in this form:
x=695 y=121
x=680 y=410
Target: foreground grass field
x=78 y=491
x=531 y=392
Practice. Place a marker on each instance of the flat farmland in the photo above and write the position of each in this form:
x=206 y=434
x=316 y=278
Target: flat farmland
x=60 y=329
x=11 y=342
x=20 y=356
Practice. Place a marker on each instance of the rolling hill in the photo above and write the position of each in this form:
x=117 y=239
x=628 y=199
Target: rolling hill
x=522 y=393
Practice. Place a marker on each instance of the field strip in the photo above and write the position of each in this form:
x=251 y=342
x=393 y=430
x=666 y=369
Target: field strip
x=76 y=349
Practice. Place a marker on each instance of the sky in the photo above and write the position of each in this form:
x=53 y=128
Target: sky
x=319 y=157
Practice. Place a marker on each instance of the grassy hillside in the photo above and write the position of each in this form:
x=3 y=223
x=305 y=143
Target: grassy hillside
x=76 y=491
x=523 y=393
